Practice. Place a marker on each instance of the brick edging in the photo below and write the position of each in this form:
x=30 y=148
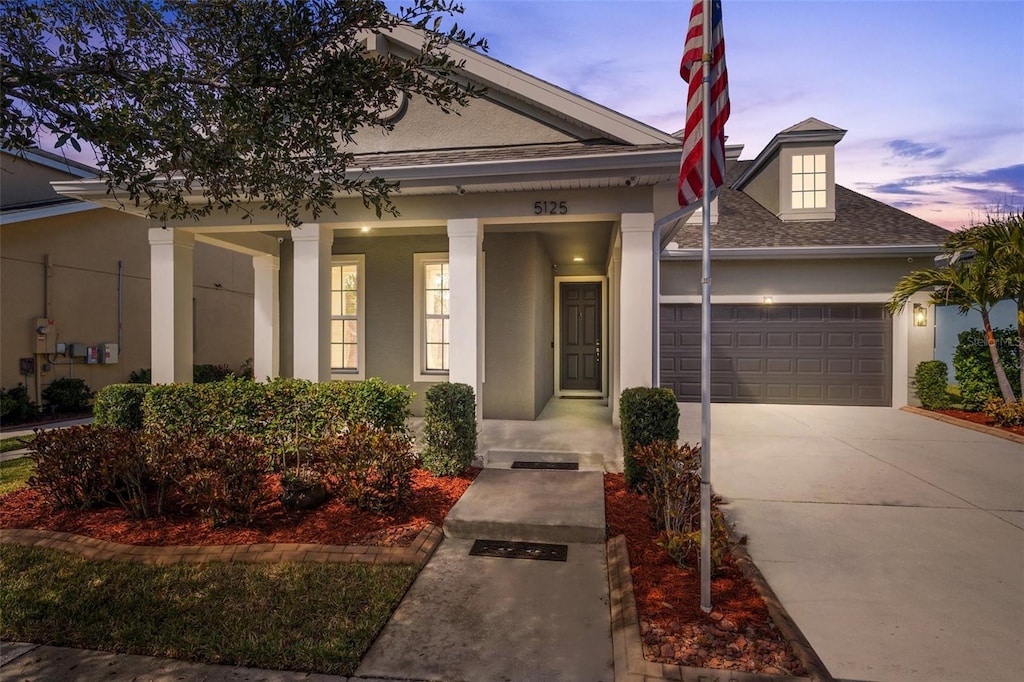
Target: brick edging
x=421 y=549
x=981 y=428
x=627 y=645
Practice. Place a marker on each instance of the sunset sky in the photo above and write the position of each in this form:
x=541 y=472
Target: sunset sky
x=931 y=91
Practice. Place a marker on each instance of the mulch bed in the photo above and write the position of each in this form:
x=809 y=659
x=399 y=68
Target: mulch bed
x=737 y=635
x=335 y=523
x=980 y=418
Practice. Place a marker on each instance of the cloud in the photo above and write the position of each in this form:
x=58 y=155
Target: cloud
x=917 y=151
x=1006 y=180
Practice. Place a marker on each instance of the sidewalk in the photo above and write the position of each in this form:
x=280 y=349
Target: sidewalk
x=20 y=430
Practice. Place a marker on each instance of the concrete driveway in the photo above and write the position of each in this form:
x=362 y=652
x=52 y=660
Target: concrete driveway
x=895 y=541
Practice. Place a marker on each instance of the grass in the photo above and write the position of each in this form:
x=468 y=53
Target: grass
x=286 y=616
x=14 y=474
x=16 y=442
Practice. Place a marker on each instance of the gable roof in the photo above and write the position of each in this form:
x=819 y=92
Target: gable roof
x=744 y=225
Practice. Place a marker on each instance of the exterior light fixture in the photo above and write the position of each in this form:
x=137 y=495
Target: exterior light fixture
x=920 y=315
x=767 y=300
x=364 y=228
x=577 y=259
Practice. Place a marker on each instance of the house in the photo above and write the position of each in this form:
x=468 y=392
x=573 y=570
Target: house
x=75 y=285
x=536 y=256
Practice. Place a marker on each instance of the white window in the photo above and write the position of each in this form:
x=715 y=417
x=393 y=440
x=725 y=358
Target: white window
x=348 y=319
x=432 y=328
x=809 y=181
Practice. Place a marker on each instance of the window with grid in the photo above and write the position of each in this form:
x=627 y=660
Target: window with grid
x=346 y=315
x=435 y=316
x=809 y=181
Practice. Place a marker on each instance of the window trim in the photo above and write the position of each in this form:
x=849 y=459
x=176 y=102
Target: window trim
x=420 y=261
x=804 y=175
x=359 y=260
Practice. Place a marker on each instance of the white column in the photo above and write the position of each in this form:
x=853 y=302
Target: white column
x=465 y=315
x=901 y=327
x=615 y=329
x=636 y=297
x=266 y=319
x=311 y=325
x=170 y=287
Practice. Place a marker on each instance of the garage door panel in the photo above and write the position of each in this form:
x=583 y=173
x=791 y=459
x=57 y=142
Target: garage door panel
x=838 y=354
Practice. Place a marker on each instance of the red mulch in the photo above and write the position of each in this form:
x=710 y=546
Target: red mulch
x=335 y=523
x=737 y=635
x=981 y=418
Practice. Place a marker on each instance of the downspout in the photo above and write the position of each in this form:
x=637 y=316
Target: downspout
x=120 y=309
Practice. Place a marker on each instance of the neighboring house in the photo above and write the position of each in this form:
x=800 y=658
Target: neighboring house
x=523 y=263
x=949 y=323
x=74 y=282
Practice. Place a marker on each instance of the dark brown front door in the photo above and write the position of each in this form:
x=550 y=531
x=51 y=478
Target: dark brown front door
x=580 y=336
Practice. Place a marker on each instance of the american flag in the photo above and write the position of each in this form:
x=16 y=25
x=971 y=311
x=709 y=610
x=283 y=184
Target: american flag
x=691 y=182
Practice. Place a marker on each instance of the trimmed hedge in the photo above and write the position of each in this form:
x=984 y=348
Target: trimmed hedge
x=975 y=373
x=120 y=405
x=449 y=429
x=646 y=415
x=67 y=395
x=931 y=379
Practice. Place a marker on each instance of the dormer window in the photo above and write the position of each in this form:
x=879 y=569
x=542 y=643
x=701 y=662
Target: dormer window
x=810 y=184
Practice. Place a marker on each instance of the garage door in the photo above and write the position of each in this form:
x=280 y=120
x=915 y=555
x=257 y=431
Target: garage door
x=796 y=354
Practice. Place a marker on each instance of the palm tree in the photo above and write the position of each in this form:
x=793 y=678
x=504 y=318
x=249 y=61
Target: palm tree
x=984 y=266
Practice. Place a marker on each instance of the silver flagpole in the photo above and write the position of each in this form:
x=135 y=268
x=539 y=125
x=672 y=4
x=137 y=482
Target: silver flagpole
x=705 y=326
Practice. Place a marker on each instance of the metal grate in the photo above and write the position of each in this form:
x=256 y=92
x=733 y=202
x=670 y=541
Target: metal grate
x=505 y=549
x=564 y=466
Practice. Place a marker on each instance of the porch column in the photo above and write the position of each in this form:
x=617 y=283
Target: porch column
x=170 y=287
x=266 y=319
x=465 y=313
x=636 y=301
x=311 y=307
x=615 y=329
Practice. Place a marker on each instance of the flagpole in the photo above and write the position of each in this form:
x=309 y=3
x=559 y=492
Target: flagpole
x=705 y=324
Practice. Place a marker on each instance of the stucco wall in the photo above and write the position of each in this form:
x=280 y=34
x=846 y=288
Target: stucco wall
x=24 y=182
x=84 y=250
x=764 y=187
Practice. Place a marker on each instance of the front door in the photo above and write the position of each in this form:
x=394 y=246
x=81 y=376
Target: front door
x=580 y=336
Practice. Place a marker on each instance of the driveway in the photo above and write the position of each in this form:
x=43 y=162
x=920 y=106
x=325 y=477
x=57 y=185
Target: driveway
x=895 y=541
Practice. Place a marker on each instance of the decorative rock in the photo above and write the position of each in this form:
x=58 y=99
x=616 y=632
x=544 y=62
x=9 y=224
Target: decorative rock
x=715 y=616
x=727 y=625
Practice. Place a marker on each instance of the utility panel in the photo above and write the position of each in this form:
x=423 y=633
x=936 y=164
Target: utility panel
x=46 y=336
x=78 y=350
x=108 y=353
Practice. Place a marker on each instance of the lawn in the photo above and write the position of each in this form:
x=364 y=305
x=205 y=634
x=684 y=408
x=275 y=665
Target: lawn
x=287 y=616
x=14 y=474
x=16 y=442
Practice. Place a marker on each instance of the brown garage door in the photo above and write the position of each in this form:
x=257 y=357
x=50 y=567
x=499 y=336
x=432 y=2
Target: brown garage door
x=796 y=354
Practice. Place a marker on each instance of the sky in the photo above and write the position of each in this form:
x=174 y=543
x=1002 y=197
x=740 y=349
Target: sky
x=931 y=92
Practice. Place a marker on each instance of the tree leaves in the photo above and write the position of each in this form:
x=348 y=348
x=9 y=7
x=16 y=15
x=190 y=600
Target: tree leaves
x=197 y=107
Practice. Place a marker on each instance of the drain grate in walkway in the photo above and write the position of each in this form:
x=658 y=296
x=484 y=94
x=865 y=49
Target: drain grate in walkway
x=562 y=466
x=504 y=549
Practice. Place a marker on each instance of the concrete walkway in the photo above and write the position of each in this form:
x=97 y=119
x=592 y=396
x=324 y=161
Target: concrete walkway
x=896 y=542
x=13 y=431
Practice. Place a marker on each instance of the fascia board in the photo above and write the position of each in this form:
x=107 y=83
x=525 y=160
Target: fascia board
x=493 y=74
x=805 y=252
x=21 y=216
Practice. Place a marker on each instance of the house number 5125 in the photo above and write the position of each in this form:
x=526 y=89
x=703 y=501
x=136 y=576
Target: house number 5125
x=550 y=208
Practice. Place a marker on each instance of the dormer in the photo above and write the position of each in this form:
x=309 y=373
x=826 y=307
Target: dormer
x=794 y=177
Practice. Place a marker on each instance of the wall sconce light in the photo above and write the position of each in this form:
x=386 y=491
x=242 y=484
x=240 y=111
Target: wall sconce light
x=920 y=315
x=577 y=259
x=767 y=300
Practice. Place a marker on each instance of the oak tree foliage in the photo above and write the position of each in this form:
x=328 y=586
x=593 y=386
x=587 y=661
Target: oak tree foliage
x=193 y=107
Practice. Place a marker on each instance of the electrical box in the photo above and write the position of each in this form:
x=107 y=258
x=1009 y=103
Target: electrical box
x=79 y=350
x=27 y=365
x=108 y=353
x=46 y=336
x=62 y=348
x=92 y=355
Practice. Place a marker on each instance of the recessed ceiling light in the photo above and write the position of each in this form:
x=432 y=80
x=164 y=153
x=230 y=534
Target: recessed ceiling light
x=577 y=259
x=364 y=229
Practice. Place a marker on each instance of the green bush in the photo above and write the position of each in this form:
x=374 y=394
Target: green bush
x=370 y=467
x=207 y=374
x=1004 y=413
x=972 y=364
x=120 y=405
x=16 y=406
x=377 y=402
x=645 y=415
x=931 y=379
x=141 y=376
x=449 y=429
x=67 y=396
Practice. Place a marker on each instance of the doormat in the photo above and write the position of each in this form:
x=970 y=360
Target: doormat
x=505 y=549
x=581 y=397
x=562 y=466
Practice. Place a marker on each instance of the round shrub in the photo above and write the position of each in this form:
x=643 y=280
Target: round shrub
x=449 y=429
x=120 y=405
x=67 y=395
x=646 y=415
x=975 y=373
x=931 y=378
x=16 y=406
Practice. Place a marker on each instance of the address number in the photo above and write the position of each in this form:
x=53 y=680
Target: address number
x=550 y=208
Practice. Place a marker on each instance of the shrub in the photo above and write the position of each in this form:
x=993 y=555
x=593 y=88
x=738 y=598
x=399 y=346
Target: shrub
x=207 y=374
x=224 y=479
x=1004 y=413
x=141 y=376
x=120 y=405
x=80 y=466
x=377 y=402
x=972 y=364
x=67 y=395
x=931 y=379
x=449 y=429
x=16 y=406
x=371 y=467
x=646 y=415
